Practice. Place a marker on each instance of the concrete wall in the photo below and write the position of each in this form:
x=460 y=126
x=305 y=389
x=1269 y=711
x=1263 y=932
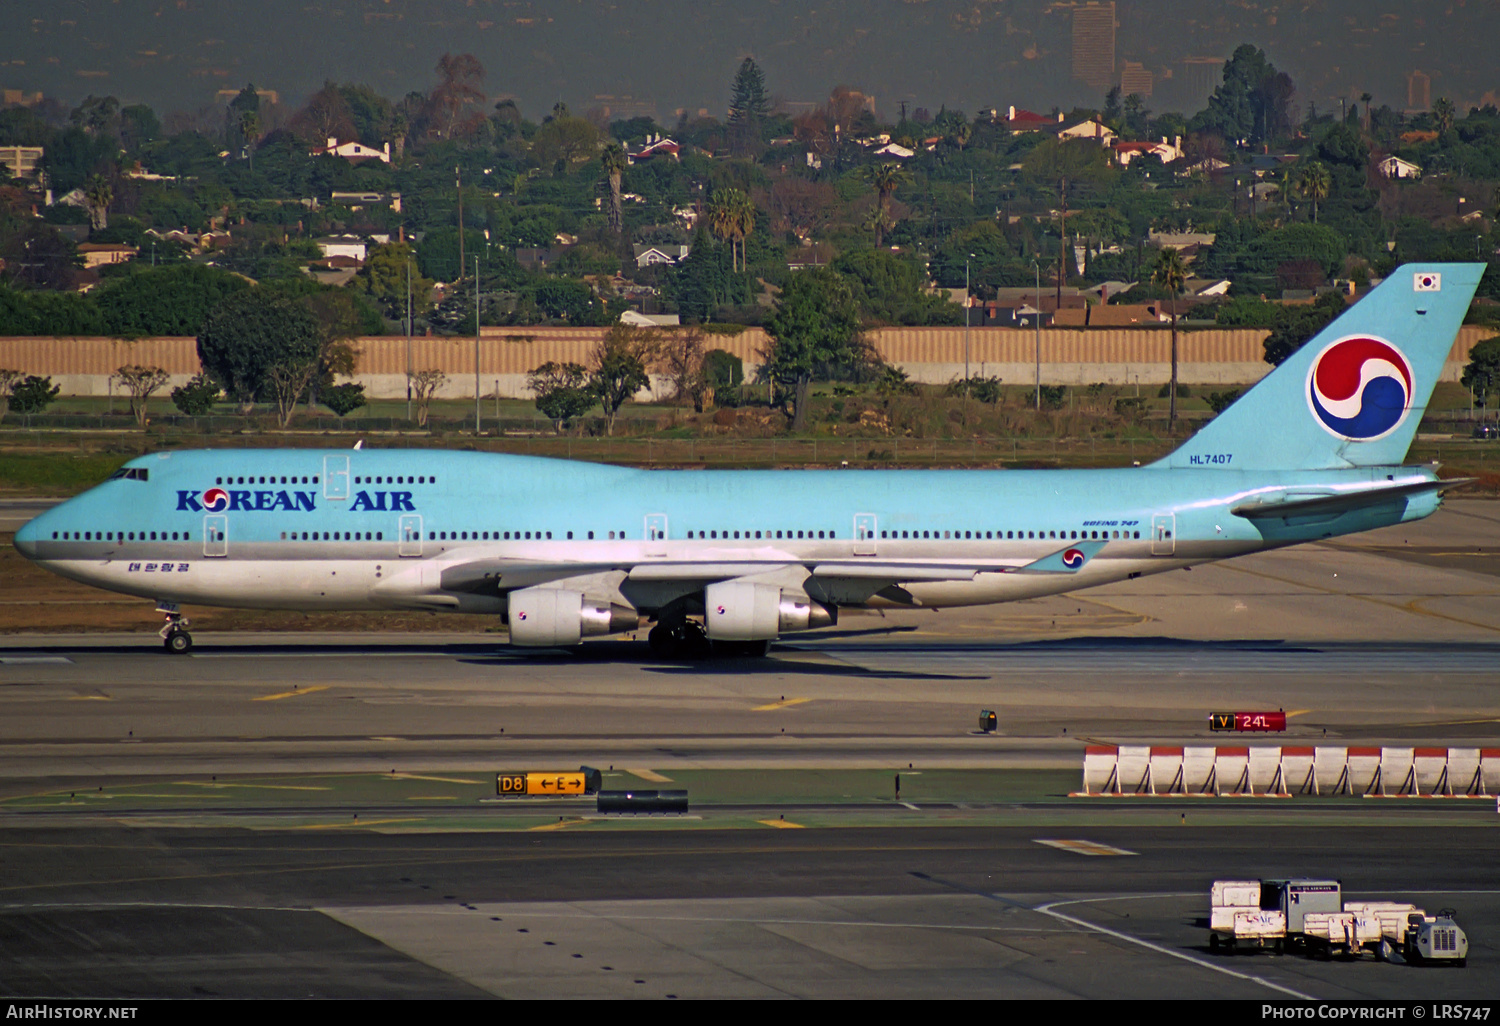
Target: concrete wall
x=1120 y=356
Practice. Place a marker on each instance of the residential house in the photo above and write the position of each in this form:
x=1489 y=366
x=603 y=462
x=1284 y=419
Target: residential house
x=97 y=254
x=21 y=161
x=1395 y=167
x=1028 y=121
x=641 y=320
x=1084 y=128
x=341 y=246
x=360 y=200
x=646 y=255
x=352 y=151
x=1125 y=152
x=655 y=146
x=895 y=150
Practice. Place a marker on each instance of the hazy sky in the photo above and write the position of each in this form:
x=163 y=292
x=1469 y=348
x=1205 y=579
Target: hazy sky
x=174 y=54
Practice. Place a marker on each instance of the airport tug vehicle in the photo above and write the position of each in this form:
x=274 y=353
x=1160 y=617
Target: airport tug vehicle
x=1310 y=916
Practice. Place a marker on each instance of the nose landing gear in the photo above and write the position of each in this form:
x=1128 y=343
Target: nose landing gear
x=174 y=633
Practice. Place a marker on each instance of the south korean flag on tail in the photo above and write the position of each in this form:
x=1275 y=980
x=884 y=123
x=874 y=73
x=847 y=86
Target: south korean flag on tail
x=1425 y=281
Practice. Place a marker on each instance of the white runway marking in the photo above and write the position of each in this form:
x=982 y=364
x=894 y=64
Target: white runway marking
x=1049 y=910
x=1083 y=847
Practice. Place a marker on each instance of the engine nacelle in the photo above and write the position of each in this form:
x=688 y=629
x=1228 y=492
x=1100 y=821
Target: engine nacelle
x=548 y=617
x=747 y=611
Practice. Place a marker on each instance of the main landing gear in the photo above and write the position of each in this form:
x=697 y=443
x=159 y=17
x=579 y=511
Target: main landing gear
x=174 y=633
x=686 y=639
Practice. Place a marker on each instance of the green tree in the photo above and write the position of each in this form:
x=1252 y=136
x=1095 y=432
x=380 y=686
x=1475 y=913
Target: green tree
x=815 y=331
x=8 y=380
x=1170 y=274
x=614 y=162
x=886 y=177
x=172 y=300
x=1443 y=114
x=620 y=360
x=249 y=126
x=1482 y=373
x=33 y=394
x=563 y=141
x=749 y=106
x=562 y=392
x=141 y=383
x=892 y=289
x=254 y=333
x=1315 y=182
x=1252 y=104
x=384 y=279
x=198 y=396
x=100 y=193
x=731 y=216
x=1299 y=324
x=343 y=399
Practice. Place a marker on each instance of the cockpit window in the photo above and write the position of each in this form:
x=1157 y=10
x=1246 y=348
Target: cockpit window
x=131 y=474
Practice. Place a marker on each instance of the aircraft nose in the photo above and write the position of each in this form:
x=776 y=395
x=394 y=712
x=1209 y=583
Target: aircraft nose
x=26 y=539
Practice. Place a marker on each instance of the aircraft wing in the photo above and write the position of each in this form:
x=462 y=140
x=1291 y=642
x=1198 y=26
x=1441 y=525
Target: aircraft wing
x=1340 y=502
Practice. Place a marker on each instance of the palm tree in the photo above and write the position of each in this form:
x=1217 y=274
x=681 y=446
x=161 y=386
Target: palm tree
x=1171 y=274
x=614 y=162
x=1315 y=183
x=1442 y=114
x=880 y=222
x=100 y=194
x=249 y=124
x=731 y=216
x=743 y=211
x=886 y=178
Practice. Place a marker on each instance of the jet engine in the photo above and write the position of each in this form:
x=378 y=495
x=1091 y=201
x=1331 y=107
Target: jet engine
x=547 y=617
x=748 y=611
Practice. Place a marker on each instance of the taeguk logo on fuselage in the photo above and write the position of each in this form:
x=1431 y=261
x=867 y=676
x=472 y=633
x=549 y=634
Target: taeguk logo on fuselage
x=1073 y=559
x=1360 y=388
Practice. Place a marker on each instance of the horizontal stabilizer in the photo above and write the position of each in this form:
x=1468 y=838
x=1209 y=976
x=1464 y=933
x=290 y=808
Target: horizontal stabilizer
x=1065 y=561
x=1342 y=501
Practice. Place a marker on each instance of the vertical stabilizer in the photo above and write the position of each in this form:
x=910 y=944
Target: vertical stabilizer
x=1354 y=395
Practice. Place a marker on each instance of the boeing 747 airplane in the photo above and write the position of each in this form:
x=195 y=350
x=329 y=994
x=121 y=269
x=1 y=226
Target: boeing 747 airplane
x=562 y=550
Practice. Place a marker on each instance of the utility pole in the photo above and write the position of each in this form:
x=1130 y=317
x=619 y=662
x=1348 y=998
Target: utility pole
x=476 y=345
x=458 y=185
x=408 y=337
x=968 y=305
x=1036 y=263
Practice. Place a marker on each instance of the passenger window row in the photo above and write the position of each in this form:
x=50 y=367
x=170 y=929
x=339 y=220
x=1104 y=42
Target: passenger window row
x=1011 y=535
x=757 y=534
x=398 y=479
x=120 y=536
x=252 y=479
x=504 y=535
x=333 y=536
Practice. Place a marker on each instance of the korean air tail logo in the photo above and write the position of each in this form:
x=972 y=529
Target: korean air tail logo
x=1360 y=388
x=215 y=500
x=1073 y=559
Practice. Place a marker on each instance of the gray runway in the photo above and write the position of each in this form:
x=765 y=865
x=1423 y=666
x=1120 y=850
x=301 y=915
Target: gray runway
x=1388 y=638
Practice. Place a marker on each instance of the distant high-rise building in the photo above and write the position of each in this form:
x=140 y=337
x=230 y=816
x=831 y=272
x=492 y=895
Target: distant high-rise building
x=1418 y=91
x=1134 y=78
x=1199 y=77
x=1094 y=44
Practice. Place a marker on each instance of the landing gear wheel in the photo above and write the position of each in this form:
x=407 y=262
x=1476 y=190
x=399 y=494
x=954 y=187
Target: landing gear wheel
x=178 y=642
x=1213 y=942
x=678 y=639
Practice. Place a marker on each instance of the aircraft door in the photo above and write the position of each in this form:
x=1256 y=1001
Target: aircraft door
x=215 y=535
x=1163 y=531
x=656 y=534
x=864 y=534
x=335 y=477
x=409 y=536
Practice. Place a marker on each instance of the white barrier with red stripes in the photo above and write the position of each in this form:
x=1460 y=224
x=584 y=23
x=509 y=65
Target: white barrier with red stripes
x=1286 y=770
